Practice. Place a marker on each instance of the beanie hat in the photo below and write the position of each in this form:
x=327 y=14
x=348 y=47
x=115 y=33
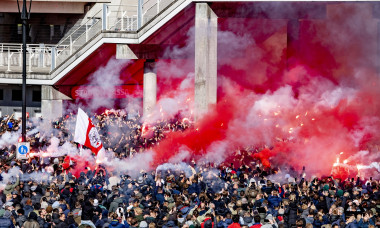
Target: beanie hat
x=143 y=224
x=326 y=187
x=340 y=193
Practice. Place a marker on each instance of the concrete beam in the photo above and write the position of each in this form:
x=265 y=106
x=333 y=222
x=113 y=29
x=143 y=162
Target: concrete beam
x=206 y=28
x=123 y=51
x=50 y=93
x=150 y=87
x=51 y=102
x=44 y=7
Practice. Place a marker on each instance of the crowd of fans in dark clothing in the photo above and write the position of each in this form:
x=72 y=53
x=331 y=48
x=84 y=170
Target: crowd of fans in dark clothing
x=209 y=196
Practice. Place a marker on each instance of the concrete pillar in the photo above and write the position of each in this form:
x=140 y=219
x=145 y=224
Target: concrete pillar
x=206 y=28
x=51 y=102
x=150 y=87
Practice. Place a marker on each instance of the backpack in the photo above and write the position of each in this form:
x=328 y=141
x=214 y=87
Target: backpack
x=208 y=223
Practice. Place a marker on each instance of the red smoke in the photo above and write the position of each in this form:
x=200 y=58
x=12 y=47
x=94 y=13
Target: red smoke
x=305 y=111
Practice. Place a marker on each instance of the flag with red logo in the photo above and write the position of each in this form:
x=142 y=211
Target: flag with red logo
x=86 y=133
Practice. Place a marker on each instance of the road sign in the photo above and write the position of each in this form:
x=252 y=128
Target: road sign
x=23 y=149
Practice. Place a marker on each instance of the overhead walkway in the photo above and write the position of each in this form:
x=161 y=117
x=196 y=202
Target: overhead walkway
x=112 y=24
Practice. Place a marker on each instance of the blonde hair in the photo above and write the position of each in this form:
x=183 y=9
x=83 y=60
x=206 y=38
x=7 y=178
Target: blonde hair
x=292 y=197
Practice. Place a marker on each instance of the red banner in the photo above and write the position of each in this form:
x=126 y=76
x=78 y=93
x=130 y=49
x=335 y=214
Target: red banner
x=123 y=91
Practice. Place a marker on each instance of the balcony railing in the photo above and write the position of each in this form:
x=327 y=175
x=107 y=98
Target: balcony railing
x=45 y=58
x=39 y=57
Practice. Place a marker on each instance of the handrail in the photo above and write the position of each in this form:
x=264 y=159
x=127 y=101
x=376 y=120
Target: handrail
x=109 y=18
x=93 y=17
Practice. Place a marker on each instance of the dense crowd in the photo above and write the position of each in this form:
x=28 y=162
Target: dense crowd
x=208 y=196
x=120 y=132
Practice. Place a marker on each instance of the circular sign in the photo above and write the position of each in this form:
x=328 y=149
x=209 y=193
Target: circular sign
x=23 y=149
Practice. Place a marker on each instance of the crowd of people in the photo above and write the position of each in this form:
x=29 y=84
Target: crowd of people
x=223 y=195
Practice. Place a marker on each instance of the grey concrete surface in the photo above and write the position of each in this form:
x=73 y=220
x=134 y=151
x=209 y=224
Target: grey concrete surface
x=206 y=26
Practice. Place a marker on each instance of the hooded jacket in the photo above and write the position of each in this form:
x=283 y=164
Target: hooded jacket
x=5 y=223
x=116 y=224
x=9 y=188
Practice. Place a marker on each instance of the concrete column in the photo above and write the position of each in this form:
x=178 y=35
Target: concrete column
x=206 y=28
x=150 y=87
x=51 y=102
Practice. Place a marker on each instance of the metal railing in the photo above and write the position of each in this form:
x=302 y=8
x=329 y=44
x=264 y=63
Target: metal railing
x=39 y=56
x=119 y=18
x=122 y=18
x=78 y=38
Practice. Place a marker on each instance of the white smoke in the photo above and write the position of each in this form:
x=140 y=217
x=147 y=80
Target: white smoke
x=9 y=139
x=175 y=167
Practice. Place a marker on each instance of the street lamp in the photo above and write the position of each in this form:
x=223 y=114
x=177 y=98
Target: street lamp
x=25 y=15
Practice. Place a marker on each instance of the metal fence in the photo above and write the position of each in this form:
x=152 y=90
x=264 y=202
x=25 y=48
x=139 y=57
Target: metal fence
x=39 y=56
x=119 y=18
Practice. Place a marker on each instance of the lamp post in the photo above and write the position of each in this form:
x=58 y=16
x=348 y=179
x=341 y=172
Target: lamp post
x=25 y=15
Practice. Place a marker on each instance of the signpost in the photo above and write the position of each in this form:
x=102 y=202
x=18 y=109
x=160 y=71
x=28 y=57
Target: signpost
x=23 y=148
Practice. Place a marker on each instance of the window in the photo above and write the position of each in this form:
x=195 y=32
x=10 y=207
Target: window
x=36 y=96
x=1 y=94
x=17 y=95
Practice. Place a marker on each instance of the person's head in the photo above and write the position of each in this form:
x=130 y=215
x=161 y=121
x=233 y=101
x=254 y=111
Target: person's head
x=62 y=216
x=114 y=216
x=235 y=218
x=28 y=202
x=42 y=212
x=20 y=211
x=32 y=216
x=300 y=223
x=257 y=218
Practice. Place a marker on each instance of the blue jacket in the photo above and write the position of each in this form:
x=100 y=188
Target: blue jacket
x=193 y=188
x=362 y=224
x=6 y=223
x=116 y=224
x=160 y=198
x=274 y=201
x=351 y=225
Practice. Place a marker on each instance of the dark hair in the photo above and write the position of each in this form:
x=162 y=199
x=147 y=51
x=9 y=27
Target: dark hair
x=235 y=218
x=37 y=206
x=21 y=211
x=301 y=222
x=257 y=218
